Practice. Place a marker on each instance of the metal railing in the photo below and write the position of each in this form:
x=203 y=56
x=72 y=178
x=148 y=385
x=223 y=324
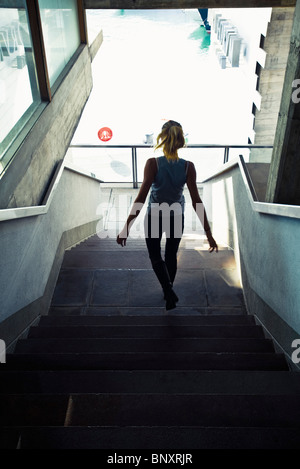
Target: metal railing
x=134 y=157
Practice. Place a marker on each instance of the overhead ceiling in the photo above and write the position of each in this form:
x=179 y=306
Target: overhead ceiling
x=177 y=4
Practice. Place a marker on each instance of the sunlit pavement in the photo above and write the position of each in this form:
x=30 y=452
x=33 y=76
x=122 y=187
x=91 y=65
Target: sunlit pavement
x=100 y=277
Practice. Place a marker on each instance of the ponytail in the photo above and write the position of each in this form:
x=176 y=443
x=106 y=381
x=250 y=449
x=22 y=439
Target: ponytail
x=170 y=139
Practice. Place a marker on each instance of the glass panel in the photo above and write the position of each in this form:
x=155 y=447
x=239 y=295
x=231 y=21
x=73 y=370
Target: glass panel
x=143 y=154
x=108 y=164
x=233 y=153
x=61 y=33
x=115 y=164
x=19 y=93
x=206 y=160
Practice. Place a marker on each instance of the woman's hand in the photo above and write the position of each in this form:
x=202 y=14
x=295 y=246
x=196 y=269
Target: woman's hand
x=122 y=237
x=121 y=241
x=212 y=243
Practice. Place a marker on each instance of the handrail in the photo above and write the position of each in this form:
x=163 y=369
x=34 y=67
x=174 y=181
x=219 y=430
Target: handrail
x=188 y=145
x=35 y=210
x=267 y=208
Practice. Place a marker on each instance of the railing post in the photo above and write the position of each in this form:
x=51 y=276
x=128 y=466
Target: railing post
x=134 y=168
x=226 y=155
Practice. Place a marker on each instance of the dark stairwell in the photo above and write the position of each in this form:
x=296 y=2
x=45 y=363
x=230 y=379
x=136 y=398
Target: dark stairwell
x=110 y=368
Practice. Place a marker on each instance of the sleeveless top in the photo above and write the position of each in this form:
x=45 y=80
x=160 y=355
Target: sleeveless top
x=169 y=182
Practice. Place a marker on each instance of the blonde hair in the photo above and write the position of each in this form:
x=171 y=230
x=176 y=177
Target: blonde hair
x=170 y=139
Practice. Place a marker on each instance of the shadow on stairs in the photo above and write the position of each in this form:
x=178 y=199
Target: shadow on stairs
x=110 y=368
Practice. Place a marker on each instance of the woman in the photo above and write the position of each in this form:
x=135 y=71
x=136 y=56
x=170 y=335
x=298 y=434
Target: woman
x=166 y=176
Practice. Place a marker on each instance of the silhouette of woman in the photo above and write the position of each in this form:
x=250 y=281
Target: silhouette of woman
x=167 y=176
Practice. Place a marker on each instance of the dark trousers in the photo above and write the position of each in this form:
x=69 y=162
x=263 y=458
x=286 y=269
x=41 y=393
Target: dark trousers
x=172 y=226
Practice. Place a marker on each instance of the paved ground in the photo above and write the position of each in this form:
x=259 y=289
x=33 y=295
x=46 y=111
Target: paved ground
x=100 y=277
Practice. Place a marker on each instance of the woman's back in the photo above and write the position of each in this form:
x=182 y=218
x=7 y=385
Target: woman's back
x=169 y=181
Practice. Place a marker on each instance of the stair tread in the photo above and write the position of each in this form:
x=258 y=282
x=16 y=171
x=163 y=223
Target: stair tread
x=151 y=381
x=147 y=319
x=144 y=345
x=150 y=409
x=155 y=438
x=147 y=331
x=147 y=360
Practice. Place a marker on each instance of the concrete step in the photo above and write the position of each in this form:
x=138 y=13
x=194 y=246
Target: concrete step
x=144 y=311
x=159 y=320
x=111 y=258
x=108 y=259
x=150 y=410
x=33 y=409
x=146 y=361
x=99 y=244
x=121 y=287
x=50 y=345
x=161 y=409
x=140 y=381
x=153 y=438
x=151 y=331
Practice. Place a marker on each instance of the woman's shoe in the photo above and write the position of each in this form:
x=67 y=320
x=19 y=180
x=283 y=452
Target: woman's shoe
x=175 y=296
x=170 y=298
x=162 y=274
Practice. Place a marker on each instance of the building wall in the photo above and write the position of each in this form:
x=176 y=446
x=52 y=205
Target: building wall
x=249 y=26
x=32 y=250
x=265 y=35
x=276 y=47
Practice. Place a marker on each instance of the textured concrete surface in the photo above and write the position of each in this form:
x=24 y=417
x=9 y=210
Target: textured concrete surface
x=30 y=245
x=270 y=271
x=28 y=175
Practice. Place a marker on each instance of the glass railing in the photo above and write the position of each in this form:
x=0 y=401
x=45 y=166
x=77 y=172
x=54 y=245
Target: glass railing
x=125 y=163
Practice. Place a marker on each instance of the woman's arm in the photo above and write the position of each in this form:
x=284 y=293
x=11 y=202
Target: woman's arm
x=197 y=202
x=150 y=171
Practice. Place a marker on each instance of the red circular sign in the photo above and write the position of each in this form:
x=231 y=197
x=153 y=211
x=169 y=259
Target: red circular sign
x=105 y=134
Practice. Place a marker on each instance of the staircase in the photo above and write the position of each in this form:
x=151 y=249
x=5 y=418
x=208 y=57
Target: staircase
x=109 y=368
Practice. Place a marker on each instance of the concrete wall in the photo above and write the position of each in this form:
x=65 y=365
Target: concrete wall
x=276 y=47
x=26 y=179
x=32 y=247
x=265 y=248
x=32 y=250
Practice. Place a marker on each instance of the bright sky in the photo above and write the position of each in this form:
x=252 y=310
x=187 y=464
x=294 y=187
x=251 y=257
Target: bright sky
x=151 y=67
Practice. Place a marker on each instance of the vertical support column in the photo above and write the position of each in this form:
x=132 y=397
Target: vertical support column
x=39 y=49
x=284 y=177
x=226 y=155
x=134 y=168
x=82 y=22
